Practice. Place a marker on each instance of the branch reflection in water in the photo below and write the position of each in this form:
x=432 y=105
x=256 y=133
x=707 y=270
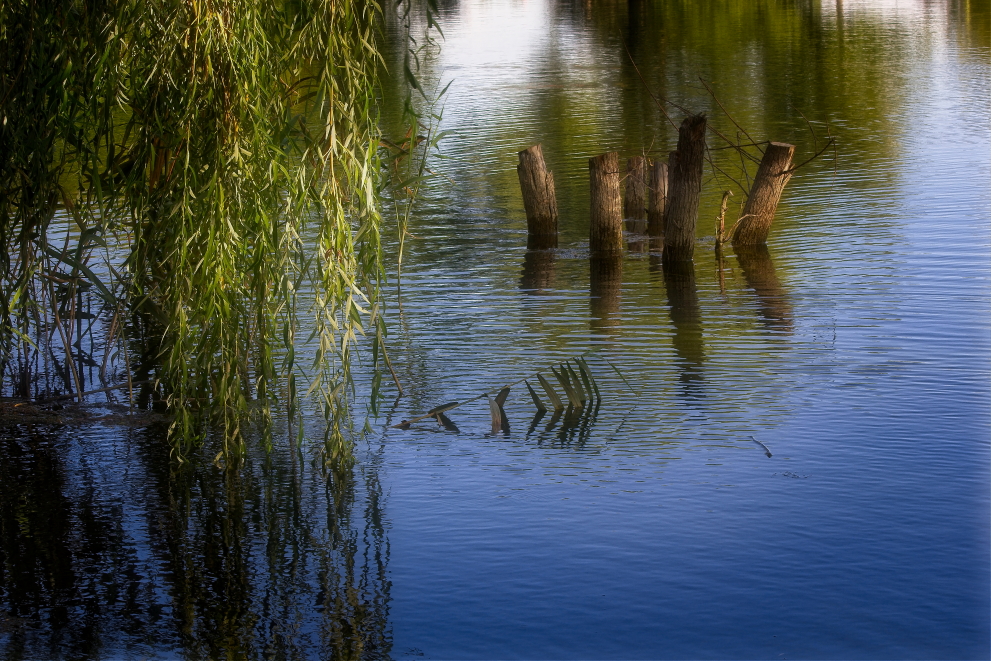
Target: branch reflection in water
x=106 y=546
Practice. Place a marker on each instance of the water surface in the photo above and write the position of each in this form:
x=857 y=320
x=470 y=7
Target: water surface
x=857 y=348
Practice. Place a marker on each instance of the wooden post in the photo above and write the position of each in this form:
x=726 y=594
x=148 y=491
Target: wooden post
x=658 y=196
x=684 y=187
x=539 y=201
x=635 y=201
x=606 y=226
x=765 y=193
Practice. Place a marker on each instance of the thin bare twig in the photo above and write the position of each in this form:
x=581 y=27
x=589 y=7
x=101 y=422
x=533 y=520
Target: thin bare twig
x=726 y=112
x=806 y=162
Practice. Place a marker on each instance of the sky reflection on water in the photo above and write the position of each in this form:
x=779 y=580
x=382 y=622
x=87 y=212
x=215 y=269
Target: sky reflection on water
x=857 y=348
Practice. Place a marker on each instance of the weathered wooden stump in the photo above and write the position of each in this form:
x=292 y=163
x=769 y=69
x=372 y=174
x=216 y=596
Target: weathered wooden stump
x=537 y=185
x=684 y=188
x=658 y=196
x=635 y=200
x=606 y=223
x=765 y=193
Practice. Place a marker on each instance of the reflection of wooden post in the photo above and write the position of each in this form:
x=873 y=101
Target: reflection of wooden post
x=658 y=195
x=606 y=227
x=605 y=282
x=684 y=188
x=635 y=201
x=538 y=271
x=772 y=299
x=539 y=201
x=769 y=183
x=686 y=316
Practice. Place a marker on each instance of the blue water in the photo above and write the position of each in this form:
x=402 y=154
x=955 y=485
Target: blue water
x=858 y=352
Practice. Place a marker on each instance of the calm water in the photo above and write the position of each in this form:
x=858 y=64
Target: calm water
x=858 y=349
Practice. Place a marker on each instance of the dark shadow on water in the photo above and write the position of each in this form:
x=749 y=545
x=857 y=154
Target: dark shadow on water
x=575 y=428
x=773 y=305
x=538 y=271
x=538 y=265
x=119 y=551
x=605 y=285
x=686 y=317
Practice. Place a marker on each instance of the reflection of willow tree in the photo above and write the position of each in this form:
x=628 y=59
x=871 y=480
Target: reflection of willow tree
x=215 y=563
x=232 y=598
x=70 y=583
x=766 y=60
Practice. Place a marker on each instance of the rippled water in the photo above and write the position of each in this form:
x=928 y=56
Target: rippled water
x=857 y=349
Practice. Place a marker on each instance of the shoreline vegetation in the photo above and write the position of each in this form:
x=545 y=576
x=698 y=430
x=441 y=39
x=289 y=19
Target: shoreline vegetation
x=191 y=192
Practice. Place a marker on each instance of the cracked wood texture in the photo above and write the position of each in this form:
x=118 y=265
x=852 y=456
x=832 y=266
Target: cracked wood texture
x=606 y=223
x=537 y=185
x=684 y=188
x=765 y=193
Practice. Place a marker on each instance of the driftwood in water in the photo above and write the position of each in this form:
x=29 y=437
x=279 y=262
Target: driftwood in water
x=606 y=223
x=685 y=185
x=537 y=185
x=635 y=199
x=658 y=196
x=765 y=193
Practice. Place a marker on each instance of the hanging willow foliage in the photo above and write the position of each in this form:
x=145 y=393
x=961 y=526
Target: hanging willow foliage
x=222 y=157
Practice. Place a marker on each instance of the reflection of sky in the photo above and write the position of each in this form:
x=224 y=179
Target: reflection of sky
x=663 y=529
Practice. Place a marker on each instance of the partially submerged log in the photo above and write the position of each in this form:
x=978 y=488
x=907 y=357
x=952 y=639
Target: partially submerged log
x=537 y=185
x=765 y=193
x=635 y=199
x=606 y=222
x=685 y=185
x=658 y=196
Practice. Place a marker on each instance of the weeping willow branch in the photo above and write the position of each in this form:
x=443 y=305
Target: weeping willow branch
x=226 y=155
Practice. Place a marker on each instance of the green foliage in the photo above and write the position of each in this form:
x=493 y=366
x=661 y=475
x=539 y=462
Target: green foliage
x=227 y=152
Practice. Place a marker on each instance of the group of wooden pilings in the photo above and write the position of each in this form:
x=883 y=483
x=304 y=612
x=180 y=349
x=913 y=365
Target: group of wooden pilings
x=661 y=199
